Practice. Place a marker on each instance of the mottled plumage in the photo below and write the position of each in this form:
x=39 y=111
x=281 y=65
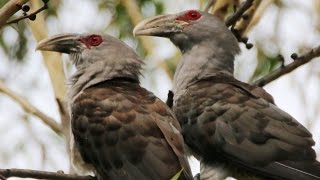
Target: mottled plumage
x=115 y=126
x=233 y=128
x=223 y=122
x=120 y=130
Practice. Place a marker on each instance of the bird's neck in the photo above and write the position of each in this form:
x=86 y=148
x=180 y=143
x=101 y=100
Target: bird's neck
x=199 y=62
x=100 y=72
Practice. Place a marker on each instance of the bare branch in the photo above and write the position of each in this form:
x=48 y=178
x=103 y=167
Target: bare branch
x=252 y=15
x=30 y=108
x=220 y=8
x=299 y=61
x=209 y=5
x=27 y=173
x=135 y=16
x=238 y=14
x=255 y=12
x=31 y=16
x=9 y=10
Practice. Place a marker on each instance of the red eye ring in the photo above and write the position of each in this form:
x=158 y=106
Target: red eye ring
x=193 y=14
x=189 y=15
x=94 y=40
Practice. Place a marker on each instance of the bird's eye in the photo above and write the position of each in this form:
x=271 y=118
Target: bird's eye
x=189 y=15
x=94 y=40
x=194 y=15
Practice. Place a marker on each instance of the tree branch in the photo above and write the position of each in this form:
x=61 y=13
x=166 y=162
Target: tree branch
x=238 y=14
x=249 y=17
x=209 y=5
x=135 y=16
x=239 y=20
x=31 y=16
x=298 y=61
x=220 y=7
x=255 y=13
x=9 y=9
x=26 y=173
x=30 y=108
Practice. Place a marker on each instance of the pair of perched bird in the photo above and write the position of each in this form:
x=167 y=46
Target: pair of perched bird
x=122 y=131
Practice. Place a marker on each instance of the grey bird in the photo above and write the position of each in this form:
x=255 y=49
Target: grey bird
x=233 y=128
x=120 y=130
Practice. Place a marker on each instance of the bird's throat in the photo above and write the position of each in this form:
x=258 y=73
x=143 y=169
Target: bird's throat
x=202 y=61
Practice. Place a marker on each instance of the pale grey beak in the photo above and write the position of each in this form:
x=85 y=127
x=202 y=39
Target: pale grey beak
x=63 y=43
x=162 y=26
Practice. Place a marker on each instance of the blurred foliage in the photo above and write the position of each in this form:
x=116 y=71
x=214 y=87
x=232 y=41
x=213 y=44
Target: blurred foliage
x=121 y=20
x=52 y=8
x=224 y=8
x=16 y=51
x=176 y=177
x=3 y=2
x=122 y=23
x=171 y=64
x=265 y=65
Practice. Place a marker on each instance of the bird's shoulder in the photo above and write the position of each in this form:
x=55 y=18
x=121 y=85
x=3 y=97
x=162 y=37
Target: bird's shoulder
x=228 y=80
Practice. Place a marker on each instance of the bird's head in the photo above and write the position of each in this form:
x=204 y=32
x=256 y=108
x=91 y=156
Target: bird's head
x=97 y=58
x=188 y=28
x=89 y=49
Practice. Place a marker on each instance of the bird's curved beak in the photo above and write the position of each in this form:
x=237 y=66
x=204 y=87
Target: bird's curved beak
x=162 y=26
x=63 y=43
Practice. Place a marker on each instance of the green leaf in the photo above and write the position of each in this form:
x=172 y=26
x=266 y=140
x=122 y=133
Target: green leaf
x=176 y=177
x=159 y=7
x=265 y=65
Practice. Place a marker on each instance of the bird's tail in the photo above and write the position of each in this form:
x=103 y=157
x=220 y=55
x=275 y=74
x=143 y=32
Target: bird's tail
x=292 y=170
x=306 y=169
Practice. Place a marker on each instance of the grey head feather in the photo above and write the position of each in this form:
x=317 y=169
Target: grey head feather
x=208 y=46
x=111 y=59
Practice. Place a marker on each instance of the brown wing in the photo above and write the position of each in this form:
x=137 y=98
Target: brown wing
x=123 y=131
x=227 y=121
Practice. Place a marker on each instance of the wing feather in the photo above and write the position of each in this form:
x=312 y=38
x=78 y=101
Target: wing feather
x=230 y=120
x=125 y=132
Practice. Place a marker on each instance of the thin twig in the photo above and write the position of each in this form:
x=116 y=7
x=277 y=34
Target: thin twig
x=9 y=9
x=290 y=67
x=238 y=14
x=45 y=6
x=27 y=173
x=220 y=8
x=258 y=8
x=30 y=108
x=251 y=15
